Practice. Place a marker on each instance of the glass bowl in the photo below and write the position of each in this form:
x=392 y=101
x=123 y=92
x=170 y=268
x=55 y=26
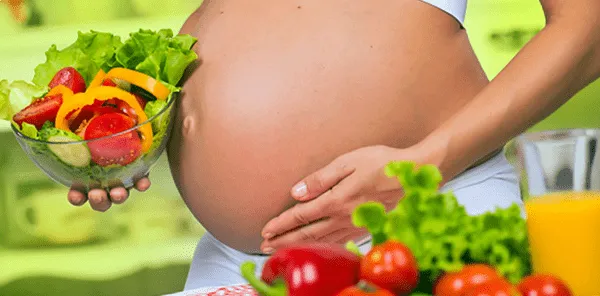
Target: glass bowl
x=48 y=156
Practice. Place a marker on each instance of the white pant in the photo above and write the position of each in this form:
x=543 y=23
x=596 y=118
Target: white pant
x=485 y=187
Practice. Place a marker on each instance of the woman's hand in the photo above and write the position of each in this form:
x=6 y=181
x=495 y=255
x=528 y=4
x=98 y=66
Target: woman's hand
x=329 y=196
x=101 y=200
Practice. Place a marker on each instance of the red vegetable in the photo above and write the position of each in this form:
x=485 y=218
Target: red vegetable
x=70 y=78
x=364 y=289
x=315 y=269
x=40 y=111
x=122 y=149
x=457 y=283
x=392 y=266
x=497 y=287
x=543 y=285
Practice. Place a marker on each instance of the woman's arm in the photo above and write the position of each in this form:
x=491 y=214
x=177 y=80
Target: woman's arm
x=557 y=63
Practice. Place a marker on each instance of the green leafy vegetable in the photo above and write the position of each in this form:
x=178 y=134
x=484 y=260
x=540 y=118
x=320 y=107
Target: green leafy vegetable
x=440 y=233
x=88 y=54
x=158 y=54
x=17 y=95
x=29 y=130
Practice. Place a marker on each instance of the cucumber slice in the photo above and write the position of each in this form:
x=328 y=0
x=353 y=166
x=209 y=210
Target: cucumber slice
x=77 y=155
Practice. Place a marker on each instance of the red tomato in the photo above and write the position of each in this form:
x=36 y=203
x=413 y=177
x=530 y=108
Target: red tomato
x=498 y=287
x=122 y=149
x=543 y=285
x=391 y=266
x=70 y=78
x=356 y=291
x=456 y=283
x=109 y=82
x=40 y=111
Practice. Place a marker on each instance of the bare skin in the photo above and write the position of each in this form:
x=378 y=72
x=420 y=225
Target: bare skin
x=328 y=93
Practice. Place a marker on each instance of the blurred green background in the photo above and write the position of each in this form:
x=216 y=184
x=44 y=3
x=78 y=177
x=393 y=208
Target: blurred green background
x=144 y=247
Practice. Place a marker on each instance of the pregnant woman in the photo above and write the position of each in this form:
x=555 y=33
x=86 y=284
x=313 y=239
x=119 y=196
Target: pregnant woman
x=295 y=107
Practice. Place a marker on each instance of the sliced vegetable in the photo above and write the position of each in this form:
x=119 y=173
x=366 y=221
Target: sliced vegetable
x=98 y=79
x=73 y=154
x=70 y=78
x=392 y=266
x=156 y=88
x=543 y=285
x=17 y=95
x=40 y=111
x=104 y=93
x=316 y=269
x=120 y=149
x=458 y=283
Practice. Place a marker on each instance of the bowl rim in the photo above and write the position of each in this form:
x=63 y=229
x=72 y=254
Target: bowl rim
x=173 y=97
x=553 y=134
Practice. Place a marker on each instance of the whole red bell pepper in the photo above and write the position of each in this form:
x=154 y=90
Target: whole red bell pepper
x=315 y=269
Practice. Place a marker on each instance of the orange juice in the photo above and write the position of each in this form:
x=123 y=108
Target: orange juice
x=564 y=234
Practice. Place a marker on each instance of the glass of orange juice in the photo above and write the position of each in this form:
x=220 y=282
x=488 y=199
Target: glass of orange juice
x=561 y=170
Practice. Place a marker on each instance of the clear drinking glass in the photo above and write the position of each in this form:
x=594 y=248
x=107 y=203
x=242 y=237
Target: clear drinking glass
x=561 y=177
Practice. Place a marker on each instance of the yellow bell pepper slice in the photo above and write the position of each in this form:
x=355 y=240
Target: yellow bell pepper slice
x=98 y=79
x=60 y=89
x=103 y=93
x=151 y=85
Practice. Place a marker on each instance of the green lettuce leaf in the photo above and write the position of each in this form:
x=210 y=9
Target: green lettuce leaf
x=17 y=95
x=158 y=54
x=440 y=233
x=88 y=54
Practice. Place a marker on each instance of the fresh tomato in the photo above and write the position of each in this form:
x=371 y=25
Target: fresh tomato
x=364 y=289
x=122 y=149
x=543 y=285
x=456 y=283
x=40 y=111
x=391 y=266
x=498 y=287
x=70 y=78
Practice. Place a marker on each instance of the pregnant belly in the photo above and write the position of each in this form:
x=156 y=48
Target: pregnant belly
x=283 y=89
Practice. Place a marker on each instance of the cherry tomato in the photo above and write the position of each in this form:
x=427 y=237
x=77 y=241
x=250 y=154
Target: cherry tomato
x=497 y=287
x=391 y=266
x=358 y=291
x=543 y=285
x=122 y=149
x=456 y=283
x=70 y=78
x=40 y=111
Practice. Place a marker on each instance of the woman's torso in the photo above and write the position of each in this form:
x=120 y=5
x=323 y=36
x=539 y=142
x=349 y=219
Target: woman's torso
x=284 y=87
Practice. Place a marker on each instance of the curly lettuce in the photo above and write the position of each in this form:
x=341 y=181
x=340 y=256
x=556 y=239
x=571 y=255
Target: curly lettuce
x=16 y=95
x=158 y=54
x=440 y=233
x=88 y=54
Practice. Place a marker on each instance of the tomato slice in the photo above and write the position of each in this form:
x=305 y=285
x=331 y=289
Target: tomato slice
x=70 y=78
x=120 y=150
x=40 y=111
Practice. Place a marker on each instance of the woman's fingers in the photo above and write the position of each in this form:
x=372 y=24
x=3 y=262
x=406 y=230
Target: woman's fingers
x=327 y=230
x=99 y=200
x=320 y=181
x=76 y=198
x=143 y=184
x=119 y=195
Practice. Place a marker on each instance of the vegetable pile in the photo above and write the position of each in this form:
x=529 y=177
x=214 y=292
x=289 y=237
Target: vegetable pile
x=426 y=245
x=102 y=89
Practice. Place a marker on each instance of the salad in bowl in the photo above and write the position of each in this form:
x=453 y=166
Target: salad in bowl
x=98 y=113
